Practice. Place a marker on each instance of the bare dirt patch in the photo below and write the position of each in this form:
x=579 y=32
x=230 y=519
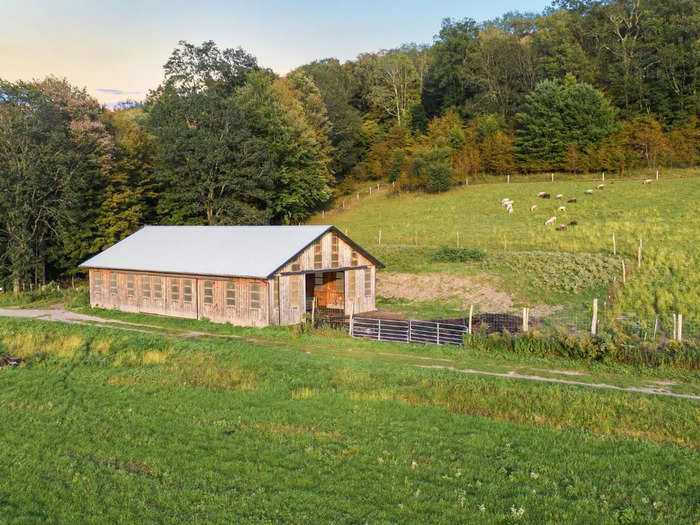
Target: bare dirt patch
x=477 y=290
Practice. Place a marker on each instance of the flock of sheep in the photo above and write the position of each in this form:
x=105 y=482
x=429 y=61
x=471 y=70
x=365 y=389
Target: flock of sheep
x=508 y=204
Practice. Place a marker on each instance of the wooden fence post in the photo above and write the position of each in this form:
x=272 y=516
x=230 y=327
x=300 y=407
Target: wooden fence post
x=323 y=213
x=457 y=239
x=438 y=333
x=408 y=334
x=639 y=254
x=614 y=244
x=358 y=195
x=680 y=328
x=552 y=177
x=656 y=325
x=603 y=176
x=379 y=329
x=525 y=320
x=343 y=203
x=471 y=312
x=624 y=280
x=313 y=311
x=466 y=181
x=352 y=311
x=508 y=179
x=380 y=238
x=657 y=174
x=370 y=190
x=594 y=321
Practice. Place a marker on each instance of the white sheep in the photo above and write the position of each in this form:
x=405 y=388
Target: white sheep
x=562 y=208
x=550 y=221
x=560 y=195
x=533 y=207
x=510 y=210
x=504 y=202
x=588 y=192
x=601 y=186
x=647 y=181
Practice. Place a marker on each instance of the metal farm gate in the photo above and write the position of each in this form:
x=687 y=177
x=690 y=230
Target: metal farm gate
x=400 y=331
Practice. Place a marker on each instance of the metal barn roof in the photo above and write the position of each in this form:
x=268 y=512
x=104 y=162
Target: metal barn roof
x=227 y=251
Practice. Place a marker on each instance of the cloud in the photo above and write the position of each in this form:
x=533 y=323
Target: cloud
x=118 y=91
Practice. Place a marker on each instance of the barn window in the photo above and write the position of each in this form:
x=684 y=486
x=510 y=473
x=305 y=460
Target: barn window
x=296 y=267
x=339 y=282
x=353 y=258
x=276 y=292
x=174 y=290
x=334 y=251
x=208 y=292
x=368 y=282
x=318 y=255
x=145 y=286
x=294 y=290
x=113 y=283
x=157 y=288
x=187 y=291
x=130 y=285
x=255 y=295
x=230 y=294
x=351 y=283
x=97 y=282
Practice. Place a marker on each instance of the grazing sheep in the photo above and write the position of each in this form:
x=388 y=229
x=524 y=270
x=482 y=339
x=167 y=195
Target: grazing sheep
x=506 y=202
x=601 y=186
x=560 y=195
x=572 y=199
x=533 y=207
x=561 y=227
x=573 y=223
x=562 y=208
x=588 y=192
x=550 y=221
x=543 y=195
x=647 y=181
x=510 y=210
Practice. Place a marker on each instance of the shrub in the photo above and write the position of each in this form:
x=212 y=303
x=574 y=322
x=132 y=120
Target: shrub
x=447 y=254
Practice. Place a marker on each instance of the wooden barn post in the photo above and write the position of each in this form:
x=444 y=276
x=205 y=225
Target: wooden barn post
x=471 y=313
x=680 y=328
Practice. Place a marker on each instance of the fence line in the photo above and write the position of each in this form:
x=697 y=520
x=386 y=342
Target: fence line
x=453 y=331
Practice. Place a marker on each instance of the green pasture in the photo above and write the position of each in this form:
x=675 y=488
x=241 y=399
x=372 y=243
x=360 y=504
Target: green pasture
x=108 y=426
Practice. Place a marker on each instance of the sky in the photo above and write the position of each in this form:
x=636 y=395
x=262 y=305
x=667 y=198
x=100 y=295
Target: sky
x=116 y=49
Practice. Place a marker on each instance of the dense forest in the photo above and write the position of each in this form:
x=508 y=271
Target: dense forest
x=584 y=86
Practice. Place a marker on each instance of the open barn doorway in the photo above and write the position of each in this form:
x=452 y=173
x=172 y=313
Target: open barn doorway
x=327 y=289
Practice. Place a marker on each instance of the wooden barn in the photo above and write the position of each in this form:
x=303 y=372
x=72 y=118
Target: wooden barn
x=246 y=275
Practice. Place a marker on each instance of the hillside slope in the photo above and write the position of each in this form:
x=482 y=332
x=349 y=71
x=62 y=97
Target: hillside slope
x=533 y=262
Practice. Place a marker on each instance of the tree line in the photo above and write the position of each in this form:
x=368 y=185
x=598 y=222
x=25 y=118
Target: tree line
x=586 y=85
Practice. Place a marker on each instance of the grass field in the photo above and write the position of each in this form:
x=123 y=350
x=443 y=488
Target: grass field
x=535 y=263
x=111 y=426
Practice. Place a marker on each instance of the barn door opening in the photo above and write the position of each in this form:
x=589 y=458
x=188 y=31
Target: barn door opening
x=328 y=289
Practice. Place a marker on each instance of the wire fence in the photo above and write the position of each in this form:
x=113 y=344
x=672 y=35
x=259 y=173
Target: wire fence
x=452 y=331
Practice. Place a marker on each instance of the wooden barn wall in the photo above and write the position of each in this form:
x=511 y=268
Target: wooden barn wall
x=306 y=258
x=360 y=302
x=305 y=262
x=130 y=296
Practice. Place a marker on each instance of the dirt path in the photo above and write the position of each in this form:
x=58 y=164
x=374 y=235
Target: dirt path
x=60 y=314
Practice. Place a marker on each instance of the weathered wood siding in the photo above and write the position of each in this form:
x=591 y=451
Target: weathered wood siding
x=307 y=261
x=192 y=297
x=183 y=296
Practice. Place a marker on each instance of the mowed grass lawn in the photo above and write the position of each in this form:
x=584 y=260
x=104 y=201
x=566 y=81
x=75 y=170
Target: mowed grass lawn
x=535 y=262
x=101 y=425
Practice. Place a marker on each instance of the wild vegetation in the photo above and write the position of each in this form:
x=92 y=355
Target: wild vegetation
x=125 y=426
x=584 y=86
